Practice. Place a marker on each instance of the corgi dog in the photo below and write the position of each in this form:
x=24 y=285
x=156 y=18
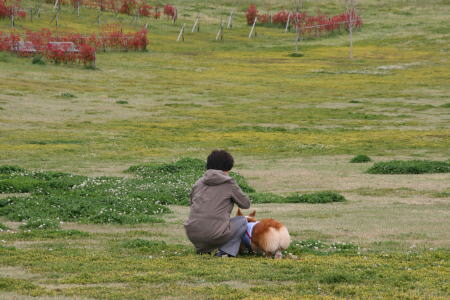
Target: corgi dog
x=266 y=236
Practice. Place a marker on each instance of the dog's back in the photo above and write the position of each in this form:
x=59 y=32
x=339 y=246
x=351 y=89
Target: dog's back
x=270 y=237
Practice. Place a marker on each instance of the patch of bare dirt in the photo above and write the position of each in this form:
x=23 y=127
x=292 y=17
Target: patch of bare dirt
x=14 y=296
x=17 y=272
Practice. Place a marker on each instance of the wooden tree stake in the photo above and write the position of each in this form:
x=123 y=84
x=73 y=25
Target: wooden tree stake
x=287 y=23
x=12 y=16
x=350 y=11
x=253 y=31
x=98 y=19
x=57 y=7
x=230 y=21
x=219 y=35
x=181 y=35
x=196 y=27
x=175 y=16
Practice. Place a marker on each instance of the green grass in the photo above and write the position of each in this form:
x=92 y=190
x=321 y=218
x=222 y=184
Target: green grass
x=43 y=234
x=37 y=60
x=56 y=196
x=141 y=269
x=276 y=113
x=121 y=102
x=361 y=158
x=363 y=108
x=39 y=223
x=316 y=197
x=67 y=197
x=410 y=167
x=3 y=227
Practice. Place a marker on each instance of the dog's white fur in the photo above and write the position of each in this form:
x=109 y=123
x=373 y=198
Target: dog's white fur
x=274 y=241
x=273 y=238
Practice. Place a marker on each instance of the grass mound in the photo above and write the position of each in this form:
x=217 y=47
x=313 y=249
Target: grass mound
x=39 y=223
x=410 y=167
x=266 y=198
x=14 y=179
x=317 y=197
x=68 y=197
x=360 y=158
x=174 y=180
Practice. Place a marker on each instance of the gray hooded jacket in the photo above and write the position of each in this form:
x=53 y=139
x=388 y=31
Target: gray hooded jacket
x=212 y=199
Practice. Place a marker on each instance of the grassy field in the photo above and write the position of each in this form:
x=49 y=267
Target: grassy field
x=292 y=123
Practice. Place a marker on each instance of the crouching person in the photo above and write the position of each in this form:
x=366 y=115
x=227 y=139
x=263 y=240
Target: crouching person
x=212 y=198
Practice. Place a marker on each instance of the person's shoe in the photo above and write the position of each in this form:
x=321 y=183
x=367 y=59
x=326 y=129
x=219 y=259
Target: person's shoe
x=222 y=254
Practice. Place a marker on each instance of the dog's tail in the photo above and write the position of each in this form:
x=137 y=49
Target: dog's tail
x=276 y=240
x=284 y=238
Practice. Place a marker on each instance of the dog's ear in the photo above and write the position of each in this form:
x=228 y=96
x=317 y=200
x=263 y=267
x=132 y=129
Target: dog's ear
x=252 y=214
x=239 y=212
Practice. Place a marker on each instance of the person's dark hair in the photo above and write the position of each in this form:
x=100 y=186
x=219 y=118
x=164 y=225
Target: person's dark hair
x=220 y=160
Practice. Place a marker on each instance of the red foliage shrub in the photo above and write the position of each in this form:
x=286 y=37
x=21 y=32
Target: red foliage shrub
x=298 y=18
x=280 y=17
x=7 y=41
x=128 y=6
x=72 y=47
x=61 y=52
x=251 y=14
x=169 y=10
x=22 y=14
x=87 y=55
x=39 y=39
x=317 y=25
x=264 y=18
x=355 y=18
x=145 y=10
x=139 y=40
x=4 y=10
x=10 y=7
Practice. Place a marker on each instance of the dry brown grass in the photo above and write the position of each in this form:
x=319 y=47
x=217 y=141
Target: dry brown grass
x=316 y=173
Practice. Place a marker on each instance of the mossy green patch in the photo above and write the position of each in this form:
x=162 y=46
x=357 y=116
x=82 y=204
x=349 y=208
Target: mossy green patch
x=410 y=167
x=56 y=196
x=316 y=197
x=360 y=158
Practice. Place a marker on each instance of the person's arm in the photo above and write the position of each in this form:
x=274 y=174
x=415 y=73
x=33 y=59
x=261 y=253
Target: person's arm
x=238 y=196
x=191 y=194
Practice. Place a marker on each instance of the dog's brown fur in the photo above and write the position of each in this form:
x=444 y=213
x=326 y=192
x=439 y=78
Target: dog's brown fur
x=270 y=237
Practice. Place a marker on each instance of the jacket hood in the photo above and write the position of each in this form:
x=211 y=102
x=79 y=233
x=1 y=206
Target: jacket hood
x=215 y=177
